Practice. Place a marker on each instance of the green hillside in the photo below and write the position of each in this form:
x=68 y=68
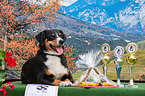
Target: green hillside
x=141 y=44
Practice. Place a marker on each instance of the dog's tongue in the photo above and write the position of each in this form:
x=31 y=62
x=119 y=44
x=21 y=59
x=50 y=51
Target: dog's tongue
x=59 y=50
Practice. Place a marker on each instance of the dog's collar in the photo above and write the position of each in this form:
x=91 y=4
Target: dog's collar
x=53 y=54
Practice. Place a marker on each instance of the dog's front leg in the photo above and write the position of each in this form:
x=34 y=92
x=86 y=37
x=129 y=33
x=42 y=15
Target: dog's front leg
x=56 y=82
x=67 y=77
x=67 y=80
x=65 y=83
x=45 y=78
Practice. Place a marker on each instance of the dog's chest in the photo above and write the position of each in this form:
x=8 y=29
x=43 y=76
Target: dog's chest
x=55 y=67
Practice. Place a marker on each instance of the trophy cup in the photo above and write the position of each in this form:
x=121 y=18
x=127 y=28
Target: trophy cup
x=118 y=52
x=131 y=60
x=105 y=49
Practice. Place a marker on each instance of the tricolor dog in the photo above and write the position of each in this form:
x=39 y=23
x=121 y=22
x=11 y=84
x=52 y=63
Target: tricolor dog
x=49 y=66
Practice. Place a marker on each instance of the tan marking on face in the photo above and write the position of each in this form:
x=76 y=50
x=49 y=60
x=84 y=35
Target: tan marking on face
x=53 y=34
x=47 y=44
x=59 y=34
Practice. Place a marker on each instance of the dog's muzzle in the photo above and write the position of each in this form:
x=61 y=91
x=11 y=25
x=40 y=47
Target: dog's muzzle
x=61 y=42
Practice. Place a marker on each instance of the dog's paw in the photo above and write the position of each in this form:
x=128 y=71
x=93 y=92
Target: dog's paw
x=65 y=83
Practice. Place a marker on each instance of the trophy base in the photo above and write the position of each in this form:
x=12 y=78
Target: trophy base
x=131 y=86
x=120 y=86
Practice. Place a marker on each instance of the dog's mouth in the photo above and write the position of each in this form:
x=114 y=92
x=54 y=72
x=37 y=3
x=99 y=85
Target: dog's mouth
x=58 y=49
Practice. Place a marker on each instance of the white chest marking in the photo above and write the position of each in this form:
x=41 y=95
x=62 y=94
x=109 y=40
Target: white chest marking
x=55 y=66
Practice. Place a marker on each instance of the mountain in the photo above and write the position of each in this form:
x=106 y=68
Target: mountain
x=85 y=36
x=67 y=2
x=120 y=15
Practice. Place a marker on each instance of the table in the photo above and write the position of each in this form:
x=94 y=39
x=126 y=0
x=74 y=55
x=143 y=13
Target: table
x=80 y=91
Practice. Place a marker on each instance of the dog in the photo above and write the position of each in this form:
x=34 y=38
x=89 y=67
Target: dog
x=49 y=66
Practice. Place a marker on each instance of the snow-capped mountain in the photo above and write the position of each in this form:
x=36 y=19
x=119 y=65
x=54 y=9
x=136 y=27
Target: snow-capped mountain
x=67 y=2
x=121 y=15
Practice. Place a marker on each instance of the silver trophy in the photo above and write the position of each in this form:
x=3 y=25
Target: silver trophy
x=105 y=49
x=118 y=52
x=131 y=60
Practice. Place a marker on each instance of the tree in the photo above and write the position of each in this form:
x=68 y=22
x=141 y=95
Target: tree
x=70 y=52
x=18 y=15
x=22 y=49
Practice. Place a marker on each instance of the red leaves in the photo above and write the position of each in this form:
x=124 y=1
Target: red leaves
x=9 y=60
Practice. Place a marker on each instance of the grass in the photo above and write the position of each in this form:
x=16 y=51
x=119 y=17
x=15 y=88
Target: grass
x=77 y=75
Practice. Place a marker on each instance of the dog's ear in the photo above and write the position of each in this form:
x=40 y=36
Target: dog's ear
x=41 y=38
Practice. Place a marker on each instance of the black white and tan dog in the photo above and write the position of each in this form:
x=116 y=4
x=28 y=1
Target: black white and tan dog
x=49 y=66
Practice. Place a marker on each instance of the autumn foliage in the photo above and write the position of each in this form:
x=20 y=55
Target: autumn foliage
x=22 y=49
x=70 y=52
x=19 y=14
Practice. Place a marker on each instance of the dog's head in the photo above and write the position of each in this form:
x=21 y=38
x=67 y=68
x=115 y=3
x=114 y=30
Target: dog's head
x=51 y=41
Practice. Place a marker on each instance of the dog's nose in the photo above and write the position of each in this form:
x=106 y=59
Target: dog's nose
x=61 y=42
